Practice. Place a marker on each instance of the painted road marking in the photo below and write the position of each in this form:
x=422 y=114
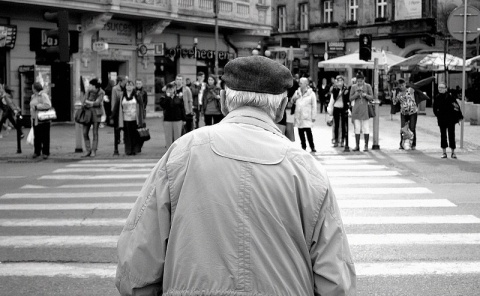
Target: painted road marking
x=60 y=222
x=71 y=270
x=368 y=180
x=154 y=161
x=70 y=195
x=112 y=165
x=12 y=177
x=66 y=241
x=381 y=190
x=363 y=269
x=394 y=203
x=417 y=268
x=347 y=161
x=105 y=170
x=414 y=239
x=362 y=173
x=89 y=185
x=379 y=220
x=93 y=177
x=72 y=206
x=356 y=167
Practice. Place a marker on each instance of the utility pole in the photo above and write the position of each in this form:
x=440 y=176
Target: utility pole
x=215 y=10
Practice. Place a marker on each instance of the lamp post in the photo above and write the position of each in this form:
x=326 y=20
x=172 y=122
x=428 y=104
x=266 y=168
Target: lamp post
x=215 y=10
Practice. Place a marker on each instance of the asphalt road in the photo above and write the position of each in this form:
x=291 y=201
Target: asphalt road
x=413 y=222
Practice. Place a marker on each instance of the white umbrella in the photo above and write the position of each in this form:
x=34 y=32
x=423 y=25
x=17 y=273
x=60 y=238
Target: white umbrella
x=429 y=62
x=385 y=59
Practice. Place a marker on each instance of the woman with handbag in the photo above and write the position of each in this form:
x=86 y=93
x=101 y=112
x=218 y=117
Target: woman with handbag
x=41 y=129
x=444 y=110
x=408 y=110
x=93 y=101
x=339 y=103
x=131 y=116
x=361 y=94
x=211 y=102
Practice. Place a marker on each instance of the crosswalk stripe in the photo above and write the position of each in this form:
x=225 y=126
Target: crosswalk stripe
x=414 y=239
x=72 y=206
x=70 y=195
x=356 y=167
x=60 y=222
x=393 y=203
x=381 y=220
x=365 y=269
x=139 y=160
x=368 y=180
x=112 y=165
x=66 y=241
x=93 y=177
x=96 y=170
x=362 y=173
x=71 y=270
x=381 y=190
x=347 y=161
x=89 y=185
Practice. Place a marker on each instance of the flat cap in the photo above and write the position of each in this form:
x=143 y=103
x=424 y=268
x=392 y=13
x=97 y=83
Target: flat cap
x=257 y=74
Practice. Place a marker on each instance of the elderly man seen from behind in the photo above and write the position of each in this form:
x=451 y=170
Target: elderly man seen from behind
x=235 y=208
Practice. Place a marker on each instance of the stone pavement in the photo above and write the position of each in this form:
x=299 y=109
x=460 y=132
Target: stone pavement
x=63 y=139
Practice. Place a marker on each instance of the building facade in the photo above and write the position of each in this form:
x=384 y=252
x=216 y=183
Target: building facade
x=150 y=40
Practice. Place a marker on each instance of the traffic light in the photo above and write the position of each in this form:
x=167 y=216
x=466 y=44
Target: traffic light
x=365 y=47
x=60 y=34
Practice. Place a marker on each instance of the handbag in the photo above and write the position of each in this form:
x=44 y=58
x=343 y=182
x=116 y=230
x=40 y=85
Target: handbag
x=457 y=112
x=371 y=110
x=83 y=116
x=30 y=137
x=45 y=115
x=143 y=134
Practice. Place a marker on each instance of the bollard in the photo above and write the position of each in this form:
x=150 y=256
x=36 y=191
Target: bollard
x=78 y=130
x=376 y=125
x=18 y=123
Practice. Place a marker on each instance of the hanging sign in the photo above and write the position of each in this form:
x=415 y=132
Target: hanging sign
x=8 y=36
x=99 y=46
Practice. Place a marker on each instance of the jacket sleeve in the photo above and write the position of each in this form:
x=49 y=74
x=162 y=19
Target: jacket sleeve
x=143 y=242
x=369 y=94
x=188 y=100
x=333 y=268
x=314 y=104
x=45 y=103
x=99 y=99
x=353 y=93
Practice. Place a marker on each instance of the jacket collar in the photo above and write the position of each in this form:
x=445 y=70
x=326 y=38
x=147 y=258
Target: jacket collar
x=253 y=116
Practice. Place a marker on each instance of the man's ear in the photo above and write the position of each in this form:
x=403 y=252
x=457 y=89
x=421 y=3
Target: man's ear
x=281 y=110
x=223 y=106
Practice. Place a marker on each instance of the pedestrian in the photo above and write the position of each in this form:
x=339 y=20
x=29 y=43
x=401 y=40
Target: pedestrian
x=443 y=108
x=40 y=101
x=197 y=89
x=408 y=110
x=211 y=102
x=107 y=100
x=93 y=101
x=10 y=110
x=131 y=117
x=361 y=94
x=324 y=95
x=340 y=102
x=271 y=226
x=142 y=95
x=305 y=112
x=174 y=109
x=117 y=95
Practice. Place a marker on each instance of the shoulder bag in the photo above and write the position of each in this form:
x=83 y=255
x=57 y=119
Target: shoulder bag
x=46 y=115
x=143 y=134
x=371 y=110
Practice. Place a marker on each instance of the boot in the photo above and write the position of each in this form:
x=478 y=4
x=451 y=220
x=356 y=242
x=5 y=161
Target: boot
x=357 y=143
x=366 y=136
x=87 y=147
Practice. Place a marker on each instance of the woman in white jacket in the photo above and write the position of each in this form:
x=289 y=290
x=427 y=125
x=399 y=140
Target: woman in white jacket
x=305 y=111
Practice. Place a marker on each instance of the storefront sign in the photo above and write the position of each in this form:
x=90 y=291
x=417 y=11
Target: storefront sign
x=99 y=46
x=336 y=46
x=408 y=9
x=118 y=32
x=194 y=52
x=8 y=36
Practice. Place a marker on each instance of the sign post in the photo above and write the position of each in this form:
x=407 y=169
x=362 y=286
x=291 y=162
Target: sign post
x=463 y=24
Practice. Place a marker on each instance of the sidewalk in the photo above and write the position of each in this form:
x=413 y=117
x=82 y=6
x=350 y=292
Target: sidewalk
x=62 y=145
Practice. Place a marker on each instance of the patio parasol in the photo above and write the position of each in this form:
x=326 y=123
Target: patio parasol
x=429 y=62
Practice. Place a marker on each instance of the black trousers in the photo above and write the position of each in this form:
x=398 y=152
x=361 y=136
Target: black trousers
x=301 y=134
x=196 y=110
x=412 y=123
x=213 y=119
x=340 y=119
x=131 y=138
x=450 y=129
x=41 y=141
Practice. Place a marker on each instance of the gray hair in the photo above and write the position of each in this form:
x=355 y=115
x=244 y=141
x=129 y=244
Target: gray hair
x=266 y=102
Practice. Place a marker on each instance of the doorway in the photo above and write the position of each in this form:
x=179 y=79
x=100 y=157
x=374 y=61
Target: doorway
x=118 y=67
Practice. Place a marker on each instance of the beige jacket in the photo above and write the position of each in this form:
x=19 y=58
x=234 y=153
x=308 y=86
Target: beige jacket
x=40 y=101
x=235 y=209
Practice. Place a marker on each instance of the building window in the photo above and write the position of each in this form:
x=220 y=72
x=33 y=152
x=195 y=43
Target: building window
x=282 y=19
x=381 y=8
x=304 y=16
x=327 y=11
x=352 y=10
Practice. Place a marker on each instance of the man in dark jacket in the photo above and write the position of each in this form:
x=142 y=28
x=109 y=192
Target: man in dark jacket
x=197 y=90
x=117 y=94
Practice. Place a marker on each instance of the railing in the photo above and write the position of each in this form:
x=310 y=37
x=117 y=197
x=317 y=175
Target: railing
x=161 y=3
x=243 y=10
x=185 y=3
x=206 y=4
x=226 y=6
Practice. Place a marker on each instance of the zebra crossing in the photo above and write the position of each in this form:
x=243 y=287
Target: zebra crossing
x=382 y=209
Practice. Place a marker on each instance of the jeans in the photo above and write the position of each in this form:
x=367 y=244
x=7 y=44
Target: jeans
x=451 y=136
x=301 y=134
x=213 y=119
x=412 y=123
x=339 y=117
